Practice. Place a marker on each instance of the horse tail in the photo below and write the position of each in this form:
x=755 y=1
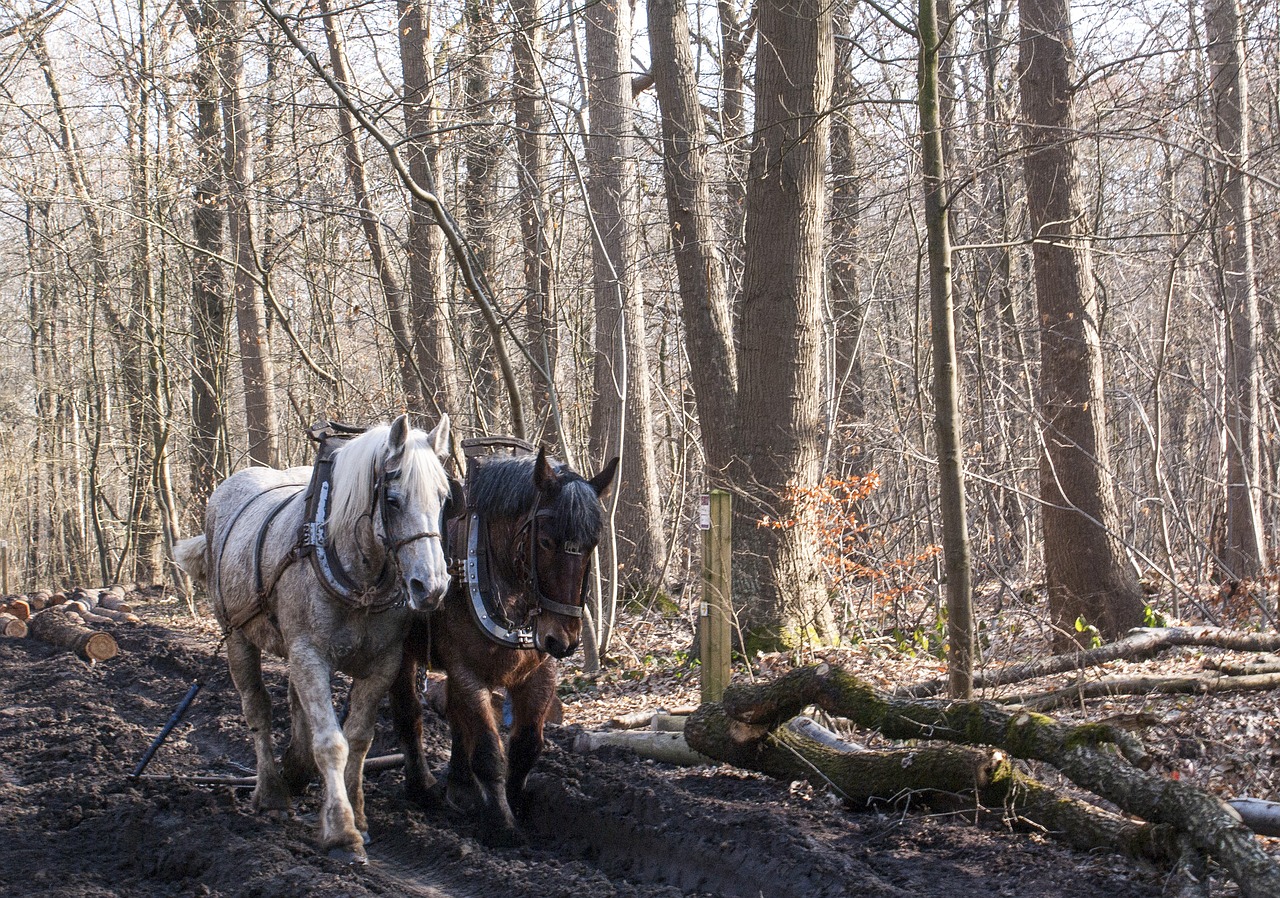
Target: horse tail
x=192 y=557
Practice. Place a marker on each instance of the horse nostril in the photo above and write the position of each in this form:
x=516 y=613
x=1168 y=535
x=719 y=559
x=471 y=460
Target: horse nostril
x=417 y=588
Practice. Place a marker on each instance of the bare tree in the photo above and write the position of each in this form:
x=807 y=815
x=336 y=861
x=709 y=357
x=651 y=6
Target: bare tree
x=1087 y=573
x=621 y=422
x=256 y=366
x=777 y=581
x=1242 y=554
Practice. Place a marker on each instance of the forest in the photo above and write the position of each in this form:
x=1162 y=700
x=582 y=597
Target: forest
x=965 y=303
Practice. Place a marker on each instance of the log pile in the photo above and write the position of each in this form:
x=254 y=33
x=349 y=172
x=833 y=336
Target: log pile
x=70 y=619
x=973 y=746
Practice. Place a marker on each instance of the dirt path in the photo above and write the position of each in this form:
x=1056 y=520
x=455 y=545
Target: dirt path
x=72 y=824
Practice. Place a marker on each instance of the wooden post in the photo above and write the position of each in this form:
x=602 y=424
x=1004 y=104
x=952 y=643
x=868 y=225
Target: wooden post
x=716 y=615
x=4 y=567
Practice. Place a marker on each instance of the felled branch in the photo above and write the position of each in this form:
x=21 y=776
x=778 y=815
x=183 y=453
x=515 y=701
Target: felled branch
x=1079 y=753
x=1138 y=644
x=1111 y=686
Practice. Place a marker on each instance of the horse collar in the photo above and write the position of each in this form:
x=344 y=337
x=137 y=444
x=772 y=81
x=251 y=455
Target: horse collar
x=487 y=618
x=313 y=540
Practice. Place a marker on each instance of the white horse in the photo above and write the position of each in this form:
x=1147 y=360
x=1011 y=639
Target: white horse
x=328 y=578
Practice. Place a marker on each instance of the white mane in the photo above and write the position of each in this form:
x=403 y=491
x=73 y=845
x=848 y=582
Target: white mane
x=356 y=467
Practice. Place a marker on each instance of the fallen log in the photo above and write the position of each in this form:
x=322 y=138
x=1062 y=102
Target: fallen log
x=113 y=602
x=19 y=608
x=633 y=720
x=669 y=748
x=1263 y=817
x=63 y=629
x=1138 y=644
x=12 y=626
x=1078 y=752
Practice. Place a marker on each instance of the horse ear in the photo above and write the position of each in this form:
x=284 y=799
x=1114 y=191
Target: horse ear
x=396 y=439
x=544 y=475
x=602 y=481
x=439 y=437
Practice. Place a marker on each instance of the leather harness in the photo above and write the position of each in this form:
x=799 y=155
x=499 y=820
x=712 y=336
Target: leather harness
x=383 y=594
x=475 y=566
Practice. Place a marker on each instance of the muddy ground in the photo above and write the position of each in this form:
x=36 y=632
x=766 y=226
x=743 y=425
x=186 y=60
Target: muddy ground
x=73 y=824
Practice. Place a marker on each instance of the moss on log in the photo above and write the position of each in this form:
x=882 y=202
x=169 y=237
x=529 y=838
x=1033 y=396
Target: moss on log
x=1082 y=754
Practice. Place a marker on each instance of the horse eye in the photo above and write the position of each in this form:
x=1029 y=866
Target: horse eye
x=393 y=500
x=546 y=543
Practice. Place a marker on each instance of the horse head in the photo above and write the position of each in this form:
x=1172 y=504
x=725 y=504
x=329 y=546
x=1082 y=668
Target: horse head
x=390 y=484
x=563 y=529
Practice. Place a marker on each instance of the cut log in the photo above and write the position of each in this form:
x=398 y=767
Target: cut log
x=1214 y=828
x=668 y=723
x=63 y=629
x=11 y=625
x=1263 y=817
x=113 y=602
x=633 y=720
x=117 y=617
x=1141 y=643
x=19 y=608
x=669 y=748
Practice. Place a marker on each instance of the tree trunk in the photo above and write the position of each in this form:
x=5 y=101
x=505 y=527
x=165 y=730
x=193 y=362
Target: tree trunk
x=529 y=110
x=704 y=303
x=622 y=418
x=209 y=313
x=1085 y=566
x=479 y=191
x=843 y=263
x=255 y=349
x=937 y=210
x=1243 y=551
x=735 y=40
x=433 y=346
x=379 y=258
x=778 y=585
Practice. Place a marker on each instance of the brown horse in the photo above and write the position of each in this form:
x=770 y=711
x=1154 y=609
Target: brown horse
x=525 y=545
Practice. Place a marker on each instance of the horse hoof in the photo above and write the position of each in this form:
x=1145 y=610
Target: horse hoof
x=364 y=837
x=350 y=857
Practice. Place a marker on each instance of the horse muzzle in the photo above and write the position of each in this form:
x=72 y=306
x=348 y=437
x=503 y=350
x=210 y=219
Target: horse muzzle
x=425 y=595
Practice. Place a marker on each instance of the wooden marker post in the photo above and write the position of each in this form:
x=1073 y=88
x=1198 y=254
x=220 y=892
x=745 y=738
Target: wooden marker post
x=4 y=567
x=716 y=615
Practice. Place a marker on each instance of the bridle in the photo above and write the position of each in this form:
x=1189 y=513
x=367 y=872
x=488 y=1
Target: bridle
x=487 y=613
x=542 y=601
x=382 y=592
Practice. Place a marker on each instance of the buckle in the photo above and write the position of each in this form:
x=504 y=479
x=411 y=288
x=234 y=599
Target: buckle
x=313 y=533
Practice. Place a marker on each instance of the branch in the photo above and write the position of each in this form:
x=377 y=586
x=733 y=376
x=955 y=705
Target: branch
x=462 y=253
x=1142 y=643
x=1212 y=826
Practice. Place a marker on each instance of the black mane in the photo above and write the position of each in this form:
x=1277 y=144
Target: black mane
x=503 y=487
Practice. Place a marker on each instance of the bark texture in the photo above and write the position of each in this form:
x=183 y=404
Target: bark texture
x=1085 y=567
x=778 y=586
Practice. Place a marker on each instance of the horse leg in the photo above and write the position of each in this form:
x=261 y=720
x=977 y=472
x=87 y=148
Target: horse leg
x=362 y=715
x=406 y=716
x=245 y=661
x=309 y=675
x=478 y=760
x=298 y=765
x=529 y=703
